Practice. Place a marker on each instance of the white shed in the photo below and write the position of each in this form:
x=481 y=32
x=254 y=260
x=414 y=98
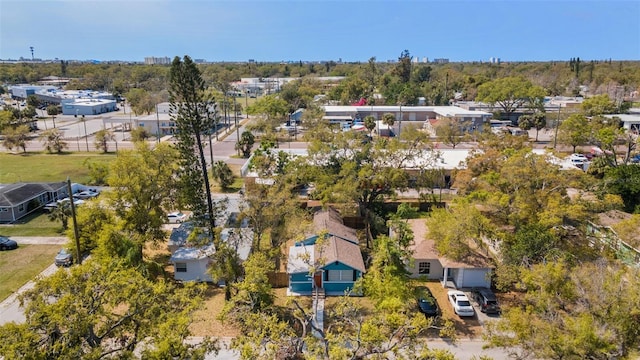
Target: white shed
x=191 y=264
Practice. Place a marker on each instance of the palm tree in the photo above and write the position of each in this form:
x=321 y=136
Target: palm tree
x=52 y=140
x=61 y=212
x=223 y=174
x=102 y=139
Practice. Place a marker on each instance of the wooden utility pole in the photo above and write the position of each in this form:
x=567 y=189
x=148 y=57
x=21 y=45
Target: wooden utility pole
x=75 y=222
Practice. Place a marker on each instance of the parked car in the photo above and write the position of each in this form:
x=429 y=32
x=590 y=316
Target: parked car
x=487 y=301
x=427 y=303
x=64 y=258
x=7 y=244
x=176 y=217
x=635 y=159
x=460 y=302
x=87 y=194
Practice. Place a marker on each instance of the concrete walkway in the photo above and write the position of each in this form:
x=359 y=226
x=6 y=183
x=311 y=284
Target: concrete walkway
x=318 y=307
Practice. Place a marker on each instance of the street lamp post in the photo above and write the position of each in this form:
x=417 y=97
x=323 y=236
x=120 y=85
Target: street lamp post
x=400 y=121
x=555 y=137
x=158 y=124
x=235 y=115
x=210 y=123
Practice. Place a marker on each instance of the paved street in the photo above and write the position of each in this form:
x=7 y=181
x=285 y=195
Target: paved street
x=465 y=349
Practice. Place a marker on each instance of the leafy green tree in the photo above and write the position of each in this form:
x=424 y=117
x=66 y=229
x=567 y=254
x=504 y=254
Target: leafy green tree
x=525 y=122
x=98 y=172
x=370 y=123
x=189 y=111
x=388 y=119
x=33 y=101
x=403 y=67
x=598 y=105
x=531 y=244
x=52 y=110
x=96 y=311
x=103 y=137
x=448 y=131
x=245 y=144
x=270 y=106
x=223 y=174
x=582 y=312
x=92 y=217
x=6 y=119
x=624 y=180
x=349 y=170
x=139 y=134
x=141 y=101
x=509 y=93
x=16 y=137
x=29 y=112
x=144 y=186
x=538 y=122
x=52 y=140
x=574 y=131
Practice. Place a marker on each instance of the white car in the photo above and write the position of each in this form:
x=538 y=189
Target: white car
x=460 y=302
x=176 y=217
x=578 y=159
x=87 y=194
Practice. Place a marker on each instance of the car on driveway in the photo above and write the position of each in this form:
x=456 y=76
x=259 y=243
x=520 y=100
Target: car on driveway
x=487 y=300
x=176 y=217
x=460 y=302
x=427 y=303
x=7 y=244
x=86 y=194
x=64 y=258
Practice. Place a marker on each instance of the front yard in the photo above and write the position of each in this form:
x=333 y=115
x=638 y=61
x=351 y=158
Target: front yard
x=19 y=266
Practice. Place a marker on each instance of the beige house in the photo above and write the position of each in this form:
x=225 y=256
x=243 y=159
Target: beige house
x=474 y=271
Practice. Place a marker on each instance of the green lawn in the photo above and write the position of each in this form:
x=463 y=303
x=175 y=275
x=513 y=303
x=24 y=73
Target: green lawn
x=37 y=167
x=19 y=266
x=36 y=224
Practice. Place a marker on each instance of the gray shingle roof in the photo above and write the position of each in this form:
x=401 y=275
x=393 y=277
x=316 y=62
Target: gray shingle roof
x=18 y=193
x=330 y=220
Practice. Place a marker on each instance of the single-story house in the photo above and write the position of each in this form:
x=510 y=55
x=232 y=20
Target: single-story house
x=20 y=199
x=192 y=263
x=337 y=257
x=474 y=271
x=339 y=262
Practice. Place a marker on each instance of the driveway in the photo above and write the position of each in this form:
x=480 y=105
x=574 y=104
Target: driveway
x=40 y=240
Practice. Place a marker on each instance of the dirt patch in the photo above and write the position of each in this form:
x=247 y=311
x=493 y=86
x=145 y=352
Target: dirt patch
x=205 y=321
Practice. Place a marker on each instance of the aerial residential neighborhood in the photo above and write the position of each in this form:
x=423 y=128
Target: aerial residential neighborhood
x=303 y=186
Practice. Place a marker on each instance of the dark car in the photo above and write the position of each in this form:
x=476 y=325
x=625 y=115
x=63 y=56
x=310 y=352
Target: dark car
x=7 y=244
x=64 y=258
x=427 y=304
x=487 y=301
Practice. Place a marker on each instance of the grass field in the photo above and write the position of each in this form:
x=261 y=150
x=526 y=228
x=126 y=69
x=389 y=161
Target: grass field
x=37 y=167
x=36 y=224
x=19 y=266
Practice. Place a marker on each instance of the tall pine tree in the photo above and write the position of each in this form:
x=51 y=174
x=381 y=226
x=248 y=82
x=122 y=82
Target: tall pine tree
x=189 y=111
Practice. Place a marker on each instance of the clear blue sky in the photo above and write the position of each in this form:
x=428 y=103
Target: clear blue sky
x=350 y=30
